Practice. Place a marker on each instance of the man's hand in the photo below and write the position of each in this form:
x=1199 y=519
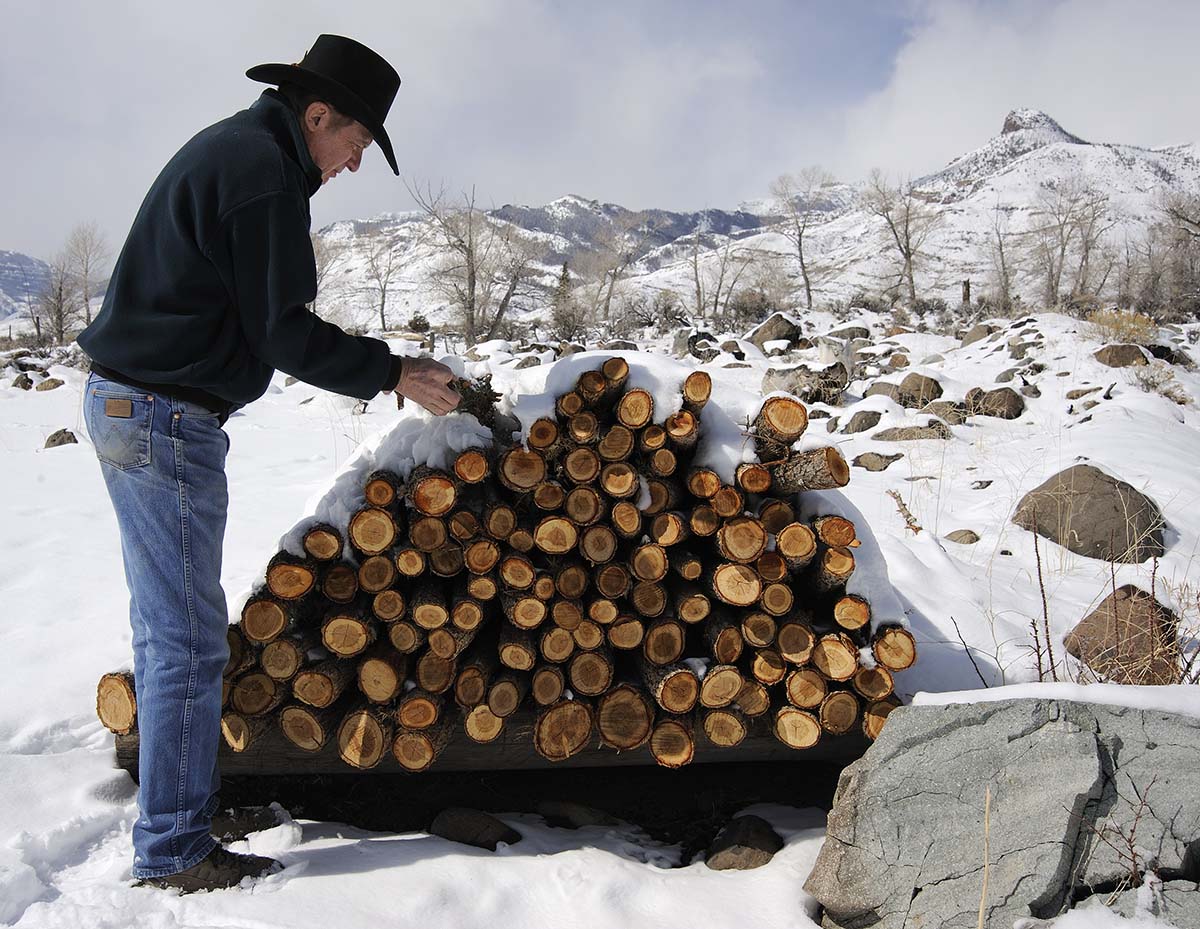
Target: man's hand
x=428 y=383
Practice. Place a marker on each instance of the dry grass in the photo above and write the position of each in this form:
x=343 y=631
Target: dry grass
x=1159 y=378
x=1122 y=326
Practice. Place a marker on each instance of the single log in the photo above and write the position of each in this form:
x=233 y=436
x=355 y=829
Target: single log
x=816 y=469
x=521 y=540
x=649 y=598
x=463 y=526
x=635 y=409
x=521 y=469
x=852 y=612
x=339 y=583
x=603 y=611
x=775 y=514
x=584 y=505
x=728 y=502
x=283 y=658
x=372 y=530
x=591 y=386
x=410 y=562
x=720 y=686
x=619 y=480
x=895 y=648
x=466 y=614
x=684 y=563
x=839 y=712
x=430 y=491
x=447 y=561
x=674 y=687
x=323 y=683
x=796 y=728
x=449 y=641
x=753 y=699
x=741 y=539
x=771 y=568
x=563 y=729
x=598 y=544
x=499 y=520
x=831 y=570
x=473 y=465
x=582 y=465
x=523 y=611
x=568 y=404
x=649 y=562
x=567 y=614
x=588 y=635
x=796 y=640
x=726 y=727
x=662 y=463
x=664 y=641
x=805 y=688
x=779 y=423
x=665 y=494
x=242 y=655
x=289 y=577
x=427 y=606
x=481 y=556
x=723 y=635
x=752 y=477
x=835 y=656
x=547 y=684
x=417 y=750
x=873 y=683
x=482 y=725
x=616 y=444
x=381 y=673
x=307 y=727
x=625 y=717
x=625 y=633
x=683 y=430
x=116 y=704
x=517 y=650
x=556 y=644
x=388 y=605
x=583 y=428
x=591 y=673
x=482 y=587
x=797 y=545
x=691 y=605
x=517 y=572
x=703 y=521
x=418 y=709
x=364 y=737
x=703 y=483
x=383 y=488
x=475 y=673
x=506 y=693
x=376 y=573
x=626 y=518
x=697 y=388
x=543 y=586
x=406 y=637
x=613 y=580
x=735 y=584
x=836 y=531
x=651 y=438
x=428 y=534
x=263 y=618
x=240 y=731
x=256 y=693
x=669 y=528
x=549 y=496
x=556 y=535
x=767 y=666
x=435 y=674
x=671 y=742
x=322 y=542
x=759 y=629
x=571 y=581
x=347 y=631
x=875 y=715
x=543 y=437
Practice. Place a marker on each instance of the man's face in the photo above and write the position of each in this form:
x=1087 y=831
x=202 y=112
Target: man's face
x=334 y=142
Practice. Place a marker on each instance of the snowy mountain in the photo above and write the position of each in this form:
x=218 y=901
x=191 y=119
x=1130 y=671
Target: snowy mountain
x=20 y=278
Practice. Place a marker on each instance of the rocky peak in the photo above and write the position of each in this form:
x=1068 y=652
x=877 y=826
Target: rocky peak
x=1023 y=119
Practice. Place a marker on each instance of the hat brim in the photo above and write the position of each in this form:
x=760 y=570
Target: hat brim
x=343 y=99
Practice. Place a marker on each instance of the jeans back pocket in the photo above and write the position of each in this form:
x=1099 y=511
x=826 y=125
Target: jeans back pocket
x=119 y=423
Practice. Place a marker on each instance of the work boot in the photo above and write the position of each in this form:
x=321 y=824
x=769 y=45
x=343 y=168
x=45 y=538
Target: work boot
x=218 y=870
x=235 y=823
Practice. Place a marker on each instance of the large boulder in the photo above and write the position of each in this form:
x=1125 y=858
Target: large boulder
x=1003 y=403
x=934 y=429
x=1094 y=514
x=862 y=421
x=873 y=461
x=776 y=326
x=917 y=390
x=904 y=846
x=812 y=385
x=1121 y=356
x=975 y=333
x=885 y=389
x=1130 y=638
x=849 y=333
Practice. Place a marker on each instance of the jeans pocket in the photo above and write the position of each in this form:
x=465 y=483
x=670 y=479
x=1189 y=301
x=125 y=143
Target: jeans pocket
x=119 y=422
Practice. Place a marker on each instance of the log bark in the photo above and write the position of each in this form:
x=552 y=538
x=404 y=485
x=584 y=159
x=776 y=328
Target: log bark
x=674 y=687
x=779 y=423
x=323 y=542
x=723 y=634
x=697 y=388
x=383 y=488
x=430 y=491
x=417 y=750
x=289 y=577
x=817 y=469
x=116 y=703
x=322 y=684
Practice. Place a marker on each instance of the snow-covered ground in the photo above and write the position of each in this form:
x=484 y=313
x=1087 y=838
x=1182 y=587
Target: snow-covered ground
x=66 y=813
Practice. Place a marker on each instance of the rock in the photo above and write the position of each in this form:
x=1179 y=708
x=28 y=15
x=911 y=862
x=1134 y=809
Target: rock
x=61 y=437
x=1094 y=514
x=934 y=429
x=1170 y=355
x=898 y=360
x=473 y=827
x=705 y=354
x=975 y=333
x=1176 y=903
x=980 y=485
x=818 y=413
x=733 y=347
x=917 y=389
x=619 y=345
x=529 y=361
x=1003 y=403
x=1018 y=350
x=736 y=364
x=1130 y=638
x=1031 y=391
x=953 y=413
x=1081 y=392
x=885 y=389
x=569 y=348
x=776 y=326
x=1090 y=404
x=745 y=843
x=935 y=358
x=567 y=814
x=1121 y=356
x=49 y=383
x=862 y=421
x=1005 y=376
x=849 y=333
x=832 y=425
x=962 y=537
x=903 y=846
x=873 y=461
x=290 y=380
x=820 y=385
x=23 y=381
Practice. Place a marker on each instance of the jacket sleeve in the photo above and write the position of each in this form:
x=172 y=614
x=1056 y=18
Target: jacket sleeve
x=265 y=255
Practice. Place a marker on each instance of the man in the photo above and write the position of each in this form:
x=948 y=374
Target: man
x=207 y=299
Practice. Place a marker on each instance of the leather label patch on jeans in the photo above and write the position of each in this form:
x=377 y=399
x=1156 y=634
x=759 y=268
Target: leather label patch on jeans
x=121 y=408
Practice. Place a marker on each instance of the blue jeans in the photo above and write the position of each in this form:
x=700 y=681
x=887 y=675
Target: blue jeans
x=163 y=461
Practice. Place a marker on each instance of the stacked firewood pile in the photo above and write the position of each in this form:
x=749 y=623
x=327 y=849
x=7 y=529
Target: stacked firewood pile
x=597 y=577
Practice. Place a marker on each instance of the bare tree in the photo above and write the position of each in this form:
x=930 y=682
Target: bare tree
x=1072 y=218
x=327 y=253
x=32 y=298
x=381 y=267
x=908 y=218
x=1002 y=285
x=58 y=304
x=87 y=256
x=1183 y=210
x=617 y=248
x=795 y=194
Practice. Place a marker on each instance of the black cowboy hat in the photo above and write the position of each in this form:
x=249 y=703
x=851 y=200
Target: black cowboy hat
x=349 y=76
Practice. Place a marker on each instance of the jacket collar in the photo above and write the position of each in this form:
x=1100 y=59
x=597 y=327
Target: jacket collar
x=281 y=119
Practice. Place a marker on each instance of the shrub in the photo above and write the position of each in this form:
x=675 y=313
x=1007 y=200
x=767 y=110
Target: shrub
x=1114 y=325
x=1158 y=378
x=418 y=323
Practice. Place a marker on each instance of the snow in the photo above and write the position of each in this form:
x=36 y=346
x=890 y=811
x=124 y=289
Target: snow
x=1183 y=699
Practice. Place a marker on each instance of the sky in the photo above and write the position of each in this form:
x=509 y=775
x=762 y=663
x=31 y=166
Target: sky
x=679 y=104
